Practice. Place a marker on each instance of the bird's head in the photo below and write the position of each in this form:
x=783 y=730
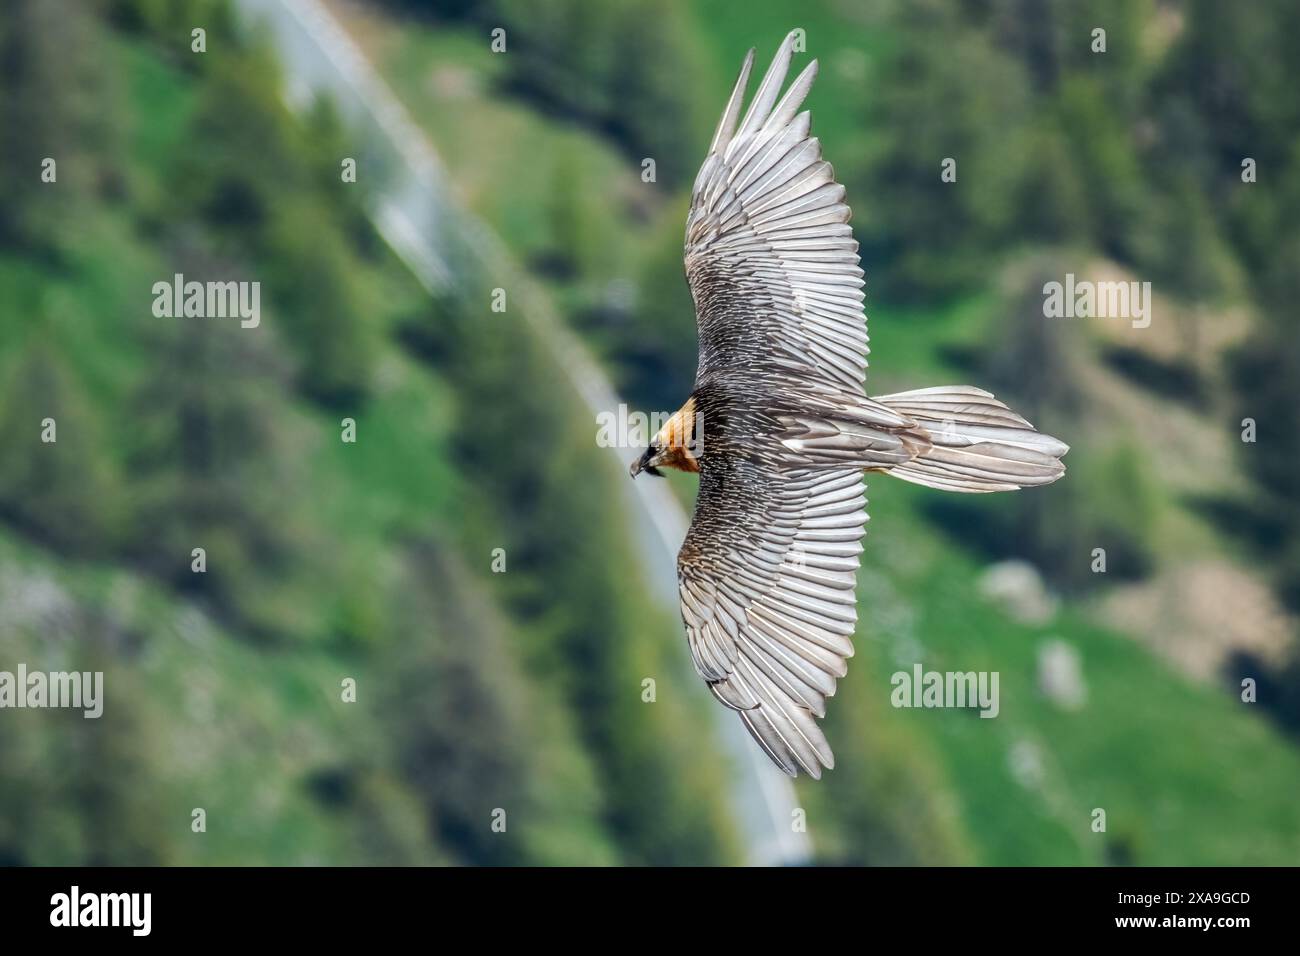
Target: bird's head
x=650 y=461
x=676 y=445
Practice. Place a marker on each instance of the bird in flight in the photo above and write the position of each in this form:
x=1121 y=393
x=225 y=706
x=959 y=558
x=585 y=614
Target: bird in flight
x=780 y=430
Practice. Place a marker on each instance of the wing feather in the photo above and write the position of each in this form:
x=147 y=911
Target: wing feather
x=768 y=570
x=768 y=615
x=768 y=246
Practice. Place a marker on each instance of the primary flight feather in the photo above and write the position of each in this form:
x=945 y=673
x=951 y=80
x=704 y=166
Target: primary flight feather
x=780 y=430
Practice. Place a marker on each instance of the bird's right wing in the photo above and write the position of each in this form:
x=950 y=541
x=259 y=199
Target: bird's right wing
x=766 y=578
x=770 y=258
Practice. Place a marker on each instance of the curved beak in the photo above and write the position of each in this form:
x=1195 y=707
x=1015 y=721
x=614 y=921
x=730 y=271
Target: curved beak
x=644 y=463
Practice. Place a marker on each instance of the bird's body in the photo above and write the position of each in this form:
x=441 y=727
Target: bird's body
x=781 y=431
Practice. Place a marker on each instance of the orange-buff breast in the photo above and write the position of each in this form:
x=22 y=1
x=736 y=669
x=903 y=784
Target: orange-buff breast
x=675 y=438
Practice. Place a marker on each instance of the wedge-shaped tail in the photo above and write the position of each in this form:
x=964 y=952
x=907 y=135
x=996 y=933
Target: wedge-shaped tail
x=966 y=440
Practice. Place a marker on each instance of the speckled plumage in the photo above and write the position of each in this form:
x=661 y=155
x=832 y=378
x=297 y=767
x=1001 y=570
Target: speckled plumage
x=768 y=568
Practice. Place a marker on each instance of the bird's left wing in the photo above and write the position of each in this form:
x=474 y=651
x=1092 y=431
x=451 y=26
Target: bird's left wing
x=770 y=258
x=766 y=578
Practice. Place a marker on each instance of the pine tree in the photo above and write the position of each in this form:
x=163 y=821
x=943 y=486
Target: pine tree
x=58 y=481
x=59 y=105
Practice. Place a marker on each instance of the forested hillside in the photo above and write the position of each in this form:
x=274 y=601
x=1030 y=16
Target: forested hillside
x=326 y=559
x=1122 y=164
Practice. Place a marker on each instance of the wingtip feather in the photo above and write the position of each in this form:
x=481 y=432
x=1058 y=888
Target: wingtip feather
x=727 y=123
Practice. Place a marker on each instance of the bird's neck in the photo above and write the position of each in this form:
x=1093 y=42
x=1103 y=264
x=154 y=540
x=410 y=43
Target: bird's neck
x=680 y=438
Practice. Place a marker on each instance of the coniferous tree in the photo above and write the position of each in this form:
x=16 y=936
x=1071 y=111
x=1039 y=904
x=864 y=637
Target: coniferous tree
x=58 y=105
x=58 y=481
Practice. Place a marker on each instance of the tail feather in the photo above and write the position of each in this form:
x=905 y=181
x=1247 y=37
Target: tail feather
x=966 y=440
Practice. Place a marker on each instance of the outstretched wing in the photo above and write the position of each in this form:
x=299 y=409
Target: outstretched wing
x=767 y=571
x=766 y=577
x=770 y=258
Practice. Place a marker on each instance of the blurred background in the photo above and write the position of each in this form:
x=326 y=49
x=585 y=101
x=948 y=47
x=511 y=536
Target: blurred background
x=514 y=678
